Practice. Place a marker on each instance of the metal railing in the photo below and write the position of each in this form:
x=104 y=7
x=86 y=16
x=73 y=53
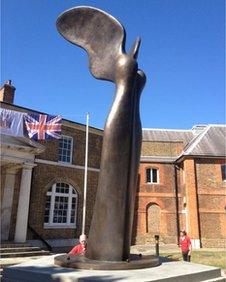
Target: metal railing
x=38 y=236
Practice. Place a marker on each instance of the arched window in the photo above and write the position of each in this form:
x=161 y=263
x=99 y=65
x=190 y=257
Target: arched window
x=61 y=206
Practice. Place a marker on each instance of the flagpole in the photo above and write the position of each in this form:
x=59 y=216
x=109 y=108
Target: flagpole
x=85 y=174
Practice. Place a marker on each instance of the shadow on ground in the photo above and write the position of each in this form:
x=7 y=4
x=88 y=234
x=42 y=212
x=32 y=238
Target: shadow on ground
x=167 y=258
x=50 y=273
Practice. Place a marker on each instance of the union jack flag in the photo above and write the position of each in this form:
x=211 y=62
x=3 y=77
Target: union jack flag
x=41 y=127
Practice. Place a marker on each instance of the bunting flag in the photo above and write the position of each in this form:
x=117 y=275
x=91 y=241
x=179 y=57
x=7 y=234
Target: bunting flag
x=43 y=127
x=11 y=123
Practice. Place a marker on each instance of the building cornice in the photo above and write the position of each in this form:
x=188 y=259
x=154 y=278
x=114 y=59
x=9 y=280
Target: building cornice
x=61 y=164
x=157 y=159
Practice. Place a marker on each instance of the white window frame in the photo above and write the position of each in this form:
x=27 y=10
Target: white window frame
x=71 y=152
x=151 y=175
x=70 y=195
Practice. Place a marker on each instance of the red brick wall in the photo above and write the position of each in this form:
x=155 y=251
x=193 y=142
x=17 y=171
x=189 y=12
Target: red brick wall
x=45 y=175
x=200 y=189
x=161 y=194
x=78 y=155
x=212 y=202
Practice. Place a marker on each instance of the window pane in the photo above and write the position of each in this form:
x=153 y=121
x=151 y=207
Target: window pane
x=154 y=175
x=46 y=219
x=47 y=209
x=72 y=220
x=223 y=171
x=148 y=175
x=64 y=152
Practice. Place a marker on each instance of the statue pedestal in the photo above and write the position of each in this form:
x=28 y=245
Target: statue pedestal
x=45 y=270
x=81 y=262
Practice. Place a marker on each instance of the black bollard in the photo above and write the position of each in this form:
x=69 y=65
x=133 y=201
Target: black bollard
x=157 y=245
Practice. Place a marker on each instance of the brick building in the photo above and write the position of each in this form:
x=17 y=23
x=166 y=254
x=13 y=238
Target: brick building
x=181 y=183
x=42 y=182
x=182 y=186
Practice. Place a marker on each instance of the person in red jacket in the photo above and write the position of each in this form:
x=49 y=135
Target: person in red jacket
x=185 y=245
x=81 y=247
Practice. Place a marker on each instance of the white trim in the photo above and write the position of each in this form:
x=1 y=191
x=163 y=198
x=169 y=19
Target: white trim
x=52 y=226
x=185 y=130
x=159 y=157
x=53 y=192
x=41 y=161
x=69 y=207
x=164 y=129
x=217 y=125
x=199 y=138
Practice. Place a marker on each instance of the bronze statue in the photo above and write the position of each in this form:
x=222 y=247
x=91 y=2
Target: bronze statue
x=103 y=37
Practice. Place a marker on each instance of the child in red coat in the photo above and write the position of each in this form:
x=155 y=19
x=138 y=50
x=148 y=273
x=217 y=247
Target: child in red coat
x=81 y=247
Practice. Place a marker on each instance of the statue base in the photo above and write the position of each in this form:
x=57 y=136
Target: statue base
x=81 y=262
x=43 y=269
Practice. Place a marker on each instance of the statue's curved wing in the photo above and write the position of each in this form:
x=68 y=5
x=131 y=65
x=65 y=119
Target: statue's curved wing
x=101 y=35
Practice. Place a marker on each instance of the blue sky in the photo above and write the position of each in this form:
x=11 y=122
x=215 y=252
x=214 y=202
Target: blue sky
x=182 y=54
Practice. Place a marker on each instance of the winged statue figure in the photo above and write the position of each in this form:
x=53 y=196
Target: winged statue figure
x=103 y=37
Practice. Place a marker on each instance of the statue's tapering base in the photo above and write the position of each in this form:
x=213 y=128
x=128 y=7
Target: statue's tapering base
x=81 y=262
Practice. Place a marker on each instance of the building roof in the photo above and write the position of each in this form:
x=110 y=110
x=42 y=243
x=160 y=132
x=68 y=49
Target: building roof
x=211 y=142
x=167 y=135
x=201 y=140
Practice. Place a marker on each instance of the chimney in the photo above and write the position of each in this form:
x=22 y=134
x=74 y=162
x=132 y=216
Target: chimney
x=7 y=92
x=197 y=129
